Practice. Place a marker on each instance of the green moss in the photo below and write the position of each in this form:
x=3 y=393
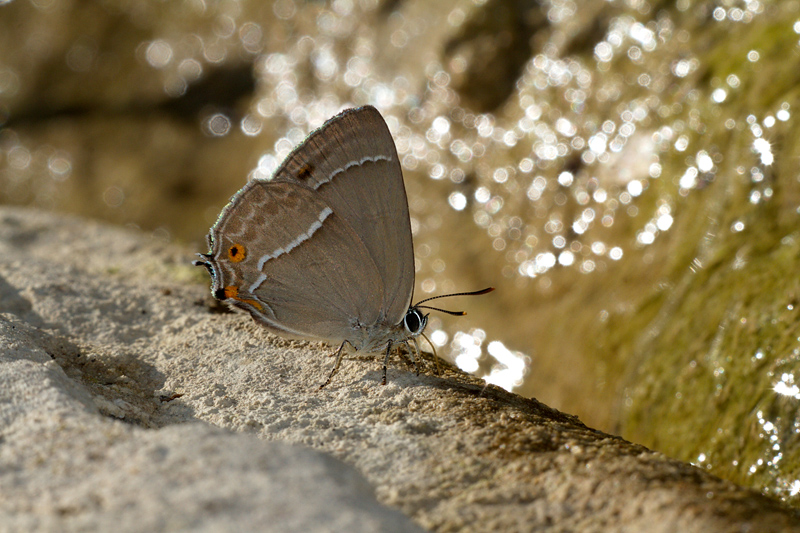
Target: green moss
x=702 y=375
x=706 y=384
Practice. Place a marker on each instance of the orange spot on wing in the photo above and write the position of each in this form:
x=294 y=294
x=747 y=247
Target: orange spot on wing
x=237 y=252
x=305 y=172
x=232 y=291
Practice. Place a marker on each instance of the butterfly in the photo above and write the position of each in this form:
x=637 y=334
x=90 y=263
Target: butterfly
x=323 y=249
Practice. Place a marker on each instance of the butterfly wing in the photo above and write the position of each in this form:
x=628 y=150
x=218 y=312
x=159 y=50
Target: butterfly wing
x=323 y=250
x=281 y=253
x=352 y=163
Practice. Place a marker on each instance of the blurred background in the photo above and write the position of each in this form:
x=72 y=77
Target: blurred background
x=625 y=172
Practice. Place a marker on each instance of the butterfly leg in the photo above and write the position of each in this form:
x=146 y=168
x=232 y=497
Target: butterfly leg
x=339 y=355
x=385 y=361
x=416 y=349
x=435 y=355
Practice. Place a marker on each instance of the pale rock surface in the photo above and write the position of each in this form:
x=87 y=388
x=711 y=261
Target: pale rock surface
x=127 y=402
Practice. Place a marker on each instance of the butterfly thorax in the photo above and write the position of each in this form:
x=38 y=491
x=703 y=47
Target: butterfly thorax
x=375 y=338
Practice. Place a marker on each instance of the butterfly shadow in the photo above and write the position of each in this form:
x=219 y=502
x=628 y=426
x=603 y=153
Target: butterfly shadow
x=462 y=384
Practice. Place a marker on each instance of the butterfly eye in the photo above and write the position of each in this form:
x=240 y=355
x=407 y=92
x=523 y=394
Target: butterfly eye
x=415 y=322
x=237 y=253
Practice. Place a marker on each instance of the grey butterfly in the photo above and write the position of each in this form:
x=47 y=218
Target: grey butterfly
x=323 y=249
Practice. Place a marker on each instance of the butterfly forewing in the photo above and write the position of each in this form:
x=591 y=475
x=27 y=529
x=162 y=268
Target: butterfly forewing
x=351 y=162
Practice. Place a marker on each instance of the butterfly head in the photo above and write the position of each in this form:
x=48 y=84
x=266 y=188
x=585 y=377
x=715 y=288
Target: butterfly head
x=415 y=322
